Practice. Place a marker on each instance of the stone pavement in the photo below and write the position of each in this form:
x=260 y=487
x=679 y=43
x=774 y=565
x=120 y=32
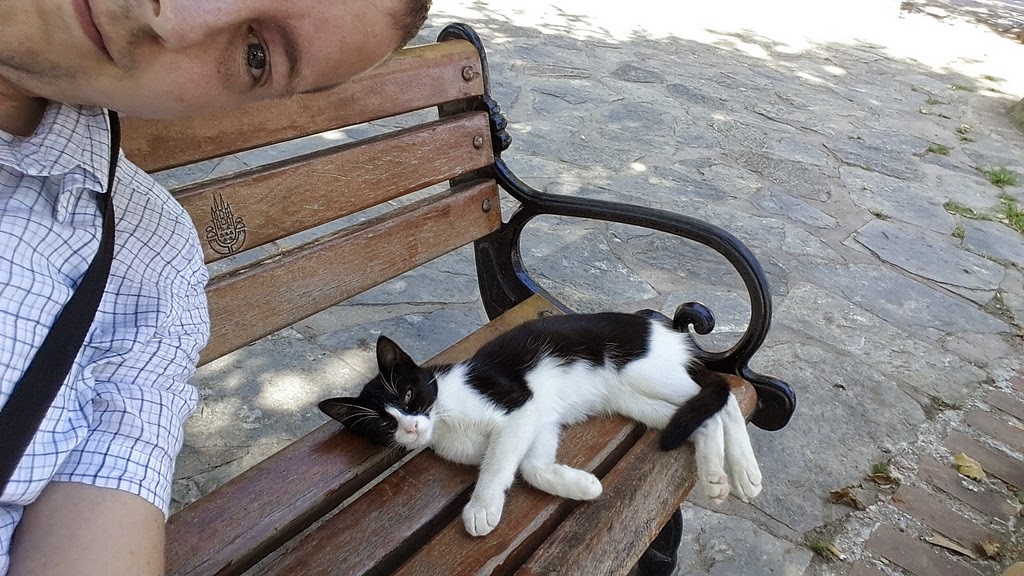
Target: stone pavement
x=845 y=143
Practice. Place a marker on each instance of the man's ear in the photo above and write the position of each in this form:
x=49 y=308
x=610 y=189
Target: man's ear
x=391 y=356
x=343 y=410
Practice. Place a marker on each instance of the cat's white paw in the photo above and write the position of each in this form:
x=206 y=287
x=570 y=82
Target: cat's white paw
x=716 y=486
x=746 y=480
x=582 y=485
x=482 y=514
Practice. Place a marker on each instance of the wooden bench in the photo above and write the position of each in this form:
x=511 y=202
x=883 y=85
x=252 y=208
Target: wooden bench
x=405 y=519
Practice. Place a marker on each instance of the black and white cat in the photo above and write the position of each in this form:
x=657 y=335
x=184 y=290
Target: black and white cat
x=505 y=407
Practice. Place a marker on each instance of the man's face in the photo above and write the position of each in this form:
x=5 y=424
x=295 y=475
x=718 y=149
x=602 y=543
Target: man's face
x=165 y=58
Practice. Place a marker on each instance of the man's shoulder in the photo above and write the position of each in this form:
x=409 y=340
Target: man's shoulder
x=152 y=223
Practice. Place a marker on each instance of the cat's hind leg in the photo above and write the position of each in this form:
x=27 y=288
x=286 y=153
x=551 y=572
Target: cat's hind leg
x=709 y=448
x=540 y=470
x=653 y=412
x=744 y=472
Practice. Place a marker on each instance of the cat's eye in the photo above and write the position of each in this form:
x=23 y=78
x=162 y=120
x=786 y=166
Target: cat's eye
x=408 y=396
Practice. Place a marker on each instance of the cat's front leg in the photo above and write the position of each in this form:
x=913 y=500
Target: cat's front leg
x=744 y=472
x=709 y=449
x=508 y=444
x=483 y=512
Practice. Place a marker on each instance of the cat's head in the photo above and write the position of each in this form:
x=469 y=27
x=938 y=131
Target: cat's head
x=396 y=406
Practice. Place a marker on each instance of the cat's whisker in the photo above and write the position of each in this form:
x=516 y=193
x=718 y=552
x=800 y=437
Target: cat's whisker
x=359 y=408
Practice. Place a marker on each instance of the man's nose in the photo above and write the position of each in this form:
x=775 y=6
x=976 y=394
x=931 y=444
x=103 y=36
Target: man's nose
x=181 y=24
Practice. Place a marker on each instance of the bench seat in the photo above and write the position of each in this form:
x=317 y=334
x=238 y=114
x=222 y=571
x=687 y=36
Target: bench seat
x=408 y=521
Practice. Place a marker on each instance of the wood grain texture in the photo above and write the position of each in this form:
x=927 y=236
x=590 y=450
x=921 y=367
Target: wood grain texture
x=413 y=79
x=368 y=535
x=374 y=534
x=254 y=513
x=241 y=522
x=309 y=190
x=290 y=286
x=529 y=515
x=608 y=536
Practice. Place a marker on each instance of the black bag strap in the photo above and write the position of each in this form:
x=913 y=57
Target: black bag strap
x=38 y=386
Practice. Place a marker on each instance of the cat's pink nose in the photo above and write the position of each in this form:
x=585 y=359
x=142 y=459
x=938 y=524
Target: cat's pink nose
x=414 y=429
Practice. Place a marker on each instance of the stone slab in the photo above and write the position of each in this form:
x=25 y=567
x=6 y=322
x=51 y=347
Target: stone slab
x=798 y=178
x=905 y=301
x=858 y=334
x=1006 y=403
x=982 y=499
x=995 y=240
x=936 y=514
x=929 y=255
x=898 y=199
x=982 y=350
x=909 y=553
x=996 y=462
x=891 y=163
x=579 y=267
x=748 y=551
x=998 y=426
x=774 y=201
x=803 y=462
x=970 y=189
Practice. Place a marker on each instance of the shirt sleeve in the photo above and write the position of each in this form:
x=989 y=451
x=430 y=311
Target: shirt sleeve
x=142 y=395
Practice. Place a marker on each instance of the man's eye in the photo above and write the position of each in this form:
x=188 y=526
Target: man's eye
x=408 y=396
x=256 y=60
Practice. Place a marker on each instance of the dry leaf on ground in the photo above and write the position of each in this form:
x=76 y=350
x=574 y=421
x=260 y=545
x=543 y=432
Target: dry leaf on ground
x=884 y=479
x=835 y=552
x=990 y=548
x=939 y=540
x=846 y=497
x=968 y=467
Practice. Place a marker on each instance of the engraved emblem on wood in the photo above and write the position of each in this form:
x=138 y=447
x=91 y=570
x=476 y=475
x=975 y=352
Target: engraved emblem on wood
x=226 y=233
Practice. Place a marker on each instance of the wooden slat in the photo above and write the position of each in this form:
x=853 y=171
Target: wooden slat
x=415 y=78
x=288 y=287
x=644 y=490
x=608 y=536
x=376 y=532
x=530 y=515
x=238 y=524
x=300 y=193
x=242 y=521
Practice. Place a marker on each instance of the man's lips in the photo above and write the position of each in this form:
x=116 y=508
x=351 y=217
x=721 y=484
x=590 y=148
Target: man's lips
x=83 y=12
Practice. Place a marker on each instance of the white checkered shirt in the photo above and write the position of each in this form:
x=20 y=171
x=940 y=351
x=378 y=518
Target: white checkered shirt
x=117 y=420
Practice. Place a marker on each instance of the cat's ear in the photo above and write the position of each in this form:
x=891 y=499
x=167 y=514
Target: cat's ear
x=342 y=409
x=390 y=355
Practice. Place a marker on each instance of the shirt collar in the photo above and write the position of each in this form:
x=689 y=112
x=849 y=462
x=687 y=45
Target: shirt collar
x=68 y=137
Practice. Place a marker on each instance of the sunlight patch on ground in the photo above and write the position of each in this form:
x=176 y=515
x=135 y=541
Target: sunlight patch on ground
x=759 y=29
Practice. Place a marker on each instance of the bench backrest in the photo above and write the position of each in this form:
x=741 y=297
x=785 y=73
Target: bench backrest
x=254 y=207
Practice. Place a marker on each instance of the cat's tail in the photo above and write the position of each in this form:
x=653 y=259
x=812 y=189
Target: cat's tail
x=713 y=395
